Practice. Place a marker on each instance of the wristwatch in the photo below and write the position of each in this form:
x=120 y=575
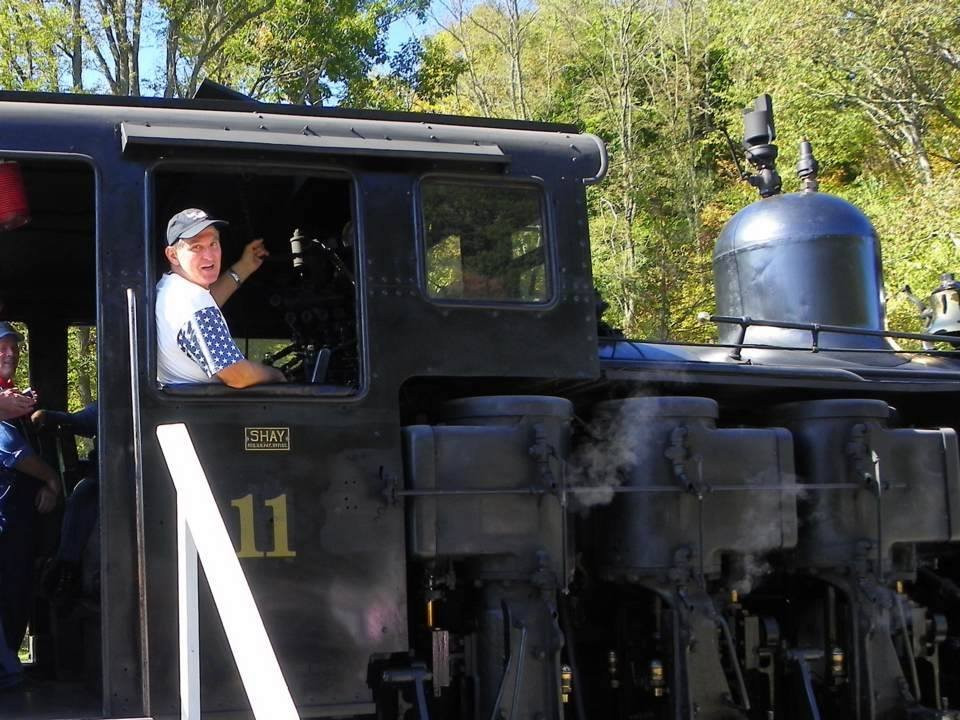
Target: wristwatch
x=236 y=278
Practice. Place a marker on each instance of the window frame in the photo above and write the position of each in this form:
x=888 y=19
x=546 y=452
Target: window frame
x=548 y=242
x=153 y=268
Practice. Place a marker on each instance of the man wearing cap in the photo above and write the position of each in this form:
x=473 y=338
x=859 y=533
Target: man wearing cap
x=193 y=341
x=27 y=485
x=13 y=403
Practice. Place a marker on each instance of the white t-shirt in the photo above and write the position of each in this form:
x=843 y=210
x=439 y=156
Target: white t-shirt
x=193 y=340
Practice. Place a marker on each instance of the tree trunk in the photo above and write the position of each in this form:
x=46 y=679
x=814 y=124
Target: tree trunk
x=170 y=61
x=76 y=43
x=87 y=347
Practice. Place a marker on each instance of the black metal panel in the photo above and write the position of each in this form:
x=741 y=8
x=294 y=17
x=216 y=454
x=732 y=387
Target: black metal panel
x=329 y=582
x=429 y=338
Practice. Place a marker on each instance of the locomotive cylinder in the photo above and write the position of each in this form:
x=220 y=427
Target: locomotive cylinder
x=895 y=485
x=508 y=443
x=692 y=487
x=495 y=461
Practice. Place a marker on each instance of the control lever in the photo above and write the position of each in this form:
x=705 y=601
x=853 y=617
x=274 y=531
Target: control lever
x=320 y=366
x=799 y=659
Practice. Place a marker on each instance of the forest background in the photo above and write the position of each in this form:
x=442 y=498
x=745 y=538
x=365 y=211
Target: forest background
x=875 y=85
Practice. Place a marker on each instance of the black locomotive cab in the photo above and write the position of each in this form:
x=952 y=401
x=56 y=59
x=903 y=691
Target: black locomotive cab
x=407 y=252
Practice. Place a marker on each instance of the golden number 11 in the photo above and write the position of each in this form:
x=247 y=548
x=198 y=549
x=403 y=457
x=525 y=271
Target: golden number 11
x=281 y=533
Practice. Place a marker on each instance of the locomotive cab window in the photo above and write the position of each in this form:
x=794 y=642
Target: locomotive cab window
x=297 y=311
x=484 y=242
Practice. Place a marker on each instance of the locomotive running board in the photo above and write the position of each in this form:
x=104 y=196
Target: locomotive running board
x=202 y=533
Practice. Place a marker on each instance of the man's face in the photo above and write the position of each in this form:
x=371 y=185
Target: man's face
x=9 y=357
x=197 y=258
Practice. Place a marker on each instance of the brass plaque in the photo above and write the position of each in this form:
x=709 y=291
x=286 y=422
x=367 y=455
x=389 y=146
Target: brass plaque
x=266 y=438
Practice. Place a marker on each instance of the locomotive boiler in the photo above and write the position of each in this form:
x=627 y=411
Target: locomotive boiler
x=471 y=501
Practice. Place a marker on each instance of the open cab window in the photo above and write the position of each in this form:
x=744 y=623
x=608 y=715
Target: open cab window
x=484 y=242
x=298 y=312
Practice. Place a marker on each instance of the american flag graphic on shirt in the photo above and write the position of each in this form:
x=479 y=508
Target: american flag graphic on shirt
x=206 y=340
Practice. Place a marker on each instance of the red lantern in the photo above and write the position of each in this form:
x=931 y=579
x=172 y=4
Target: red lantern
x=14 y=210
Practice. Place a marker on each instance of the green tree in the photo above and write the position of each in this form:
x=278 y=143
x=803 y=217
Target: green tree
x=195 y=35
x=30 y=29
x=421 y=75
x=887 y=63
x=308 y=53
x=111 y=30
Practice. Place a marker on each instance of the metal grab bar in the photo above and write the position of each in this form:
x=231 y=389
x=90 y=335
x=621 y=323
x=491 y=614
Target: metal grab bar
x=133 y=345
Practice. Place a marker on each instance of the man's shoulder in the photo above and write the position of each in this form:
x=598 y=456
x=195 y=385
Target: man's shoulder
x=177 y=293
x=172 y=283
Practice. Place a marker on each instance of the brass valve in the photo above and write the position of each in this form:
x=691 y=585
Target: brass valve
x=566 y=682
x=612 y=669
x=657 y=683
x=837 y=662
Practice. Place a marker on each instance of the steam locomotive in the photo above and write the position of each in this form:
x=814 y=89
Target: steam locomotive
x=468 y=502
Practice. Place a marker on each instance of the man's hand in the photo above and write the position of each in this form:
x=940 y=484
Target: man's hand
x=252 y=258
x=14 y=404
x=39 y=418
x=250 y=261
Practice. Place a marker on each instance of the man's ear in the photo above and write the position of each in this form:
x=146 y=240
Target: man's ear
x=171 y=252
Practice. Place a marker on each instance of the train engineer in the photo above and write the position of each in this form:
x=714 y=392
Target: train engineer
x=194 y=344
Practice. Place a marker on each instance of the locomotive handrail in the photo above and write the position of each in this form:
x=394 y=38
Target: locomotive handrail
x=799 y=487
x=816 y=328
x=604 y=162
x=201 y=533
x=635 y=344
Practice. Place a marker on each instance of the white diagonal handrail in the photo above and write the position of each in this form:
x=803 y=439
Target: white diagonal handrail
x=202 y=532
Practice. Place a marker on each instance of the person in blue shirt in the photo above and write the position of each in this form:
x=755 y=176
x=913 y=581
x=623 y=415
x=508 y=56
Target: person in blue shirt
x=27 y=485
x=61 y=576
